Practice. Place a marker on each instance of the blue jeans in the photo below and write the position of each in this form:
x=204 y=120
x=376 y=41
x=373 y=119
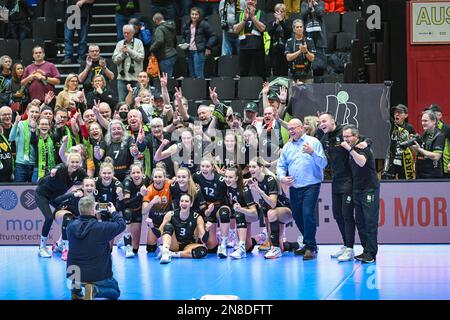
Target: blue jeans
x=168 y=11
x=69 y=33
x=208 y=8
x=122 y=90
x=108 y=288
x=303 y=204
x=229 y=44
x=34 y=178
x=166 y=65
x=196 y=63
x=23 y=172
x=120 y=21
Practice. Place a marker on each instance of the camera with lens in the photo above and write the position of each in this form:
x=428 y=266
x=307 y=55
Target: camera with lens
x=410 y=142
x=131 y=69
x=224 y=25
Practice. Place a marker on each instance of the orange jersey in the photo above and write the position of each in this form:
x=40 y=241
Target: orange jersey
x=164 y=194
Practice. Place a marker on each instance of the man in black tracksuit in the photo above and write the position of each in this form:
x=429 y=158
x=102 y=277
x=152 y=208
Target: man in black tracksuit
x=89 y=251
x=366 y=192
x=341 y=186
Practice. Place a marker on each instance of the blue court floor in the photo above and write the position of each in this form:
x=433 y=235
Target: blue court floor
x=401 y=272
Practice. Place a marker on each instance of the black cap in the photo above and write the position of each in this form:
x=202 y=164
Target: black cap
x=236 y=115
x=157 y=95
x=273 y=96
x=435 y=108
x=251 y=106
x=401 y=108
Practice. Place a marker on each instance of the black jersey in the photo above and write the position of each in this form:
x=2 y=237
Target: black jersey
x=184 y=229
x=68 y=202
x=57 y=185
x=176 y=193
x=107 y=194
x=191 y=160
x=244 y=197
x=134 y=202
x=270 y=186
x=226 y=159
x=121 y=156
x=215 y=190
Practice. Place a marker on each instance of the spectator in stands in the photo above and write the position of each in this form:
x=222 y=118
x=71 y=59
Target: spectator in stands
x=5 y=80
x=20 y=133
x=445 y=129
x=81 y=25
x=19 y=92
x=429 y=150
x=280 y=31
x=6 y=120
x=41 y=76
x=300 y=52
x=251 y=46
x=128 y=56
x=6 y=156
x=133 y=92
x=164 y=44
x=229 y=11
x=164 y=7
x=310 y=124
x=100 y=92
x=292 y=6
x=18 y=20
x=94 y=65
x=125 y=10
x=208 y=7
x=201 y=39
x=142 y=33
x=311 y=13
x=69 y=93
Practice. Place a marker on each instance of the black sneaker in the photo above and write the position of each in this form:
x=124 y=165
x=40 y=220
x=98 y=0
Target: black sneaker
x=76 y=294
x=300 y=251
x=359 y=257
x=367 y=259
x=310 y=254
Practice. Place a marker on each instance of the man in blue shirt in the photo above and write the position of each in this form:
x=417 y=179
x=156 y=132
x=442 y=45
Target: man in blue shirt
x=304 y=160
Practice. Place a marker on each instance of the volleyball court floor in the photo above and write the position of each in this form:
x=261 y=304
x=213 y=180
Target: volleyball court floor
x=401 y=272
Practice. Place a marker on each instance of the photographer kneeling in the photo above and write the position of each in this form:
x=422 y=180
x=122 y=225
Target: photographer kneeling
x=429 y=148
x=89 y=253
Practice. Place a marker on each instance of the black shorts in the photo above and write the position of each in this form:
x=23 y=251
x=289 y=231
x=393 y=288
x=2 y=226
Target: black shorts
x=183 y=244
x=283 y=202
x=157 y=218
x=136 y=216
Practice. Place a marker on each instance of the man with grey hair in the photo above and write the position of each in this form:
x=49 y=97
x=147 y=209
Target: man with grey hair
x=89 y=259
x=128 y=56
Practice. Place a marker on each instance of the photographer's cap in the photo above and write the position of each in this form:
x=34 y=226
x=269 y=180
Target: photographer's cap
x=435 y=108
x=401 y=108
x=273 y=96
x=251 y=106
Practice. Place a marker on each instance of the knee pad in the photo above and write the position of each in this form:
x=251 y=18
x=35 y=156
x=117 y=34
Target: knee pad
x=66 y=219
x=127 y=215
x=135 y=251
x=224 y=214
x=168 y=229
x=199 y=252
x=213 y=250
x=254 y=243
x=151 y=248
x=241 y=223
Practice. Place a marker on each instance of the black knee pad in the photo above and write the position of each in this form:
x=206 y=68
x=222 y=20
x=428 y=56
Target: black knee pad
x=224 y=214
x=241 y=223
x=199 y=252
x=254 y=242
x=65 y=222
x=168 y=229
x=151 y=248
x=135 y=251
x=127 y=213
x=213 y=250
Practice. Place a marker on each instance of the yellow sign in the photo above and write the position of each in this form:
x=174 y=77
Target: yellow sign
x=430 y=22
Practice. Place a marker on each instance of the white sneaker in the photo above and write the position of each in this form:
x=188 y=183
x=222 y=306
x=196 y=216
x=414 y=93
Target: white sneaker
x=58 y=247
x=273 y=253
x=232 y=240
x=120 y=243
x=129 y=251
x=339 y=253
x=239 y=253
x=222 y=252
x=348 y=255
x=44 y=253
x=166 y=257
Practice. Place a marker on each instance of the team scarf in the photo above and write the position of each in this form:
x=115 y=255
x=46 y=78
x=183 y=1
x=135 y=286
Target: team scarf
x=42 y=157
x=69 y=139
x=26 y=136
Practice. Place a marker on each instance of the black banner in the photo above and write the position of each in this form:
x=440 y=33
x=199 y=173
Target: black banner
x=358 y=104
